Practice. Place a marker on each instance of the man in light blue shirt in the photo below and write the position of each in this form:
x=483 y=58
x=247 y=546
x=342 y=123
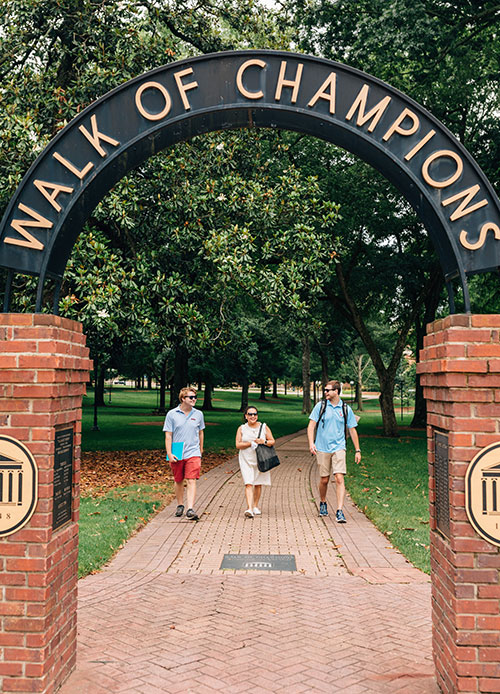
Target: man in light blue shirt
x=327 y=441
x=183 y=429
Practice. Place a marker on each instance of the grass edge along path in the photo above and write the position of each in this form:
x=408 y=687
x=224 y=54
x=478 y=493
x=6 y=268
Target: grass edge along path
x=390 y=485
x=107 y=521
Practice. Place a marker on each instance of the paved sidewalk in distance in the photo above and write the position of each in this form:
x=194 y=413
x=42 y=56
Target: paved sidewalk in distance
x=163 y=617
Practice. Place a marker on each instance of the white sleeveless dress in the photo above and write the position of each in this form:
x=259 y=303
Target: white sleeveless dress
x=248 y=457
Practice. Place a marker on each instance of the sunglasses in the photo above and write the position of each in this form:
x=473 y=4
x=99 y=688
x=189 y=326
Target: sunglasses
x=191 y=397
x=327 y=390
x=252 y=414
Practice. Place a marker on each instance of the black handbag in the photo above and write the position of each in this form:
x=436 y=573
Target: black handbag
x=266 y=456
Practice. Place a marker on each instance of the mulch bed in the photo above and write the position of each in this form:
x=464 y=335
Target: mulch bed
x=102 y=471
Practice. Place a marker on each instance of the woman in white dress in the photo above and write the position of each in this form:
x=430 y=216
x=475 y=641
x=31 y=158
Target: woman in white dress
x=246 y=443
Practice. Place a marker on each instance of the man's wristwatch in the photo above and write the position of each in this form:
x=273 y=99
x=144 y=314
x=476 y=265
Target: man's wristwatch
x=358 y=450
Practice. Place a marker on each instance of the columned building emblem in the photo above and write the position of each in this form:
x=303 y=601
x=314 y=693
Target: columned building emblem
x=482 y=493
x=18 y=485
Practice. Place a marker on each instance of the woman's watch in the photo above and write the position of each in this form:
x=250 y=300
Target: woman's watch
x=358 y=450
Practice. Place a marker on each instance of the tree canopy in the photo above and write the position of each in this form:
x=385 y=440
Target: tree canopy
x=212 y=253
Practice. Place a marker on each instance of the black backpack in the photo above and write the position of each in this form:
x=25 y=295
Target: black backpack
x=322 y=414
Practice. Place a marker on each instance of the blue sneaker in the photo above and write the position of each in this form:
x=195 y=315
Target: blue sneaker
x=340 y=516
x=323 y=508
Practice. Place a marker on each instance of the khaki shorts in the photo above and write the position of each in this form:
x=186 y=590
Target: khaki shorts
x=331 y=463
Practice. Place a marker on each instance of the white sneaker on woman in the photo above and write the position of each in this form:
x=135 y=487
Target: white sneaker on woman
x=248 y=513
x=257 y=511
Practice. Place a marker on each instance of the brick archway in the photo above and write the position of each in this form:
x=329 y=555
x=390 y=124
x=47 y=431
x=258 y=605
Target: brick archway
x=44 y=363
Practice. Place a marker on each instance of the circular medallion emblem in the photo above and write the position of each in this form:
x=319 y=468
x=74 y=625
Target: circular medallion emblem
x=18 y=485
x=482 y=493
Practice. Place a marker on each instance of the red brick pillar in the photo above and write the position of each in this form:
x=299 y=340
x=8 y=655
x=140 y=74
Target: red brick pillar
x=460 y=373
x=44 y=367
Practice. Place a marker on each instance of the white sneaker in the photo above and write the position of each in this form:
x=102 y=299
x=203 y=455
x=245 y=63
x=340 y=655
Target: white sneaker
x=257 y=511
x=248 y=513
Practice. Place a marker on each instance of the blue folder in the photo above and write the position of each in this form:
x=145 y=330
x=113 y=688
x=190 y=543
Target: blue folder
x=177 y=449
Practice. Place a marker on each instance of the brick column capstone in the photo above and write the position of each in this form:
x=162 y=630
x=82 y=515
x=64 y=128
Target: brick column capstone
x=44 y=368
x=460 y=373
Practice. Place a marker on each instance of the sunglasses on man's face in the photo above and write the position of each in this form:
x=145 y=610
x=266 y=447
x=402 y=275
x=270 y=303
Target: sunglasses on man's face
x=327 y=390
x=191 y=397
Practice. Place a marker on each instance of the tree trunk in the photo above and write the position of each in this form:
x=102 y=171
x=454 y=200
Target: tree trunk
x=285 y=386
x=95 y=426
x=262 y=395
x=180 y=378
x=386 y=375
x=275 y=387
x=150 y=381
x=386 y=399
x=306 y=375
x=207 y=395
x=163 y=385
x=419 y=420
x=244 y=394
x=173 y=400
x=99 y=383
x=323 y=351
x=420 y=412
x=359 y=384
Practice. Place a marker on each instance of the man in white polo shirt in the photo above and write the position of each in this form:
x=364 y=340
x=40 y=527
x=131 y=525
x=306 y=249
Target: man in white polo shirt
x=326 y=433
x=184 y=427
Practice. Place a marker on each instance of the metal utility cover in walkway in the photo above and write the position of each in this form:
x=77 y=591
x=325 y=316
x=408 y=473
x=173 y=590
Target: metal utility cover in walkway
x=259 y=562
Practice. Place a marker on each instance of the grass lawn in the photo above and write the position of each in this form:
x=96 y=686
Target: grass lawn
x=106 y=522
x=390 y=484
x=128 y=424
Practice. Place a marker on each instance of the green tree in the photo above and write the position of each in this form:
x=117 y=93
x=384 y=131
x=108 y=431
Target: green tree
x=446 y=56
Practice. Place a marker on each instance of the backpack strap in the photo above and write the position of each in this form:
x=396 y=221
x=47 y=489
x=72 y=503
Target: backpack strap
x=321 y=415
x=344 y=412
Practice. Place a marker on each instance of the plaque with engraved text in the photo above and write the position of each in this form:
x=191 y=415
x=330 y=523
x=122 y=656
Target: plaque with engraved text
x=259 y=562
x=63 y=477
x=442 y=482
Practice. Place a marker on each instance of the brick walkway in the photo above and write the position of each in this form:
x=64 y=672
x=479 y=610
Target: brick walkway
x=163 y=617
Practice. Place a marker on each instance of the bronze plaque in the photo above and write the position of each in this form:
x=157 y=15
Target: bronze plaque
x=259 y=562
x=18 y=485
x=482 y=493
x=63 y=477
x=442 y=479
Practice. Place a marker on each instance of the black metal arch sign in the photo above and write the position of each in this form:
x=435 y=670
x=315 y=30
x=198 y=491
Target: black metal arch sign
x=260 y=88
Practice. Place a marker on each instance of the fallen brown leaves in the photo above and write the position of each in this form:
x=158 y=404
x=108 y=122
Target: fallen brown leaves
x=102 y=471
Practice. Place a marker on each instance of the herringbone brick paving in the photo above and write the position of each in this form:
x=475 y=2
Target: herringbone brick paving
x=163 y=617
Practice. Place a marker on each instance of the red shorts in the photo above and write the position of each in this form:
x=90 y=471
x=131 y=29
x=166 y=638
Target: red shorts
x=188 y=469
